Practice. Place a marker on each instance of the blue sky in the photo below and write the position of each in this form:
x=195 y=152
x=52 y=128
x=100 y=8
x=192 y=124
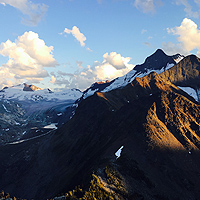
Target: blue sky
x=73 y=43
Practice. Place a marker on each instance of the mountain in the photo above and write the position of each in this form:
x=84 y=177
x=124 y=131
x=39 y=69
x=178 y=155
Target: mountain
x=31 y=106
x=157 y=62
x=152 y=126
x=27 y=107
x=24 y=92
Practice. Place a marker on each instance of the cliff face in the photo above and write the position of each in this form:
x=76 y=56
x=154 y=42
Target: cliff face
x=159 y=127
x=171 y=117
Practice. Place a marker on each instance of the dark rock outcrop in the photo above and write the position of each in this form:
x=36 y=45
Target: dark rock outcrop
x=156 y=61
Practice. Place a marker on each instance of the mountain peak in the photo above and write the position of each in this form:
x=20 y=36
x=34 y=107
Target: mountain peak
x=159 y=51
x=156 y=61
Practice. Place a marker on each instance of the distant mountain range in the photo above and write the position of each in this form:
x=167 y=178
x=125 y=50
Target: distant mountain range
x=136 y=137
x=24 y=107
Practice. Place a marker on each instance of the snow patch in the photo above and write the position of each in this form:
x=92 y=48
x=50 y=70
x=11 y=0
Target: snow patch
x=59 y=114
x=75 y=105
x=17 y=142
x=23 y=132
x=89 y=93
x=169 y=66
x=177 y=60
x=5 y=108
x=190 y=91
x=198 y=94
x=51 y=126
x=118 y=153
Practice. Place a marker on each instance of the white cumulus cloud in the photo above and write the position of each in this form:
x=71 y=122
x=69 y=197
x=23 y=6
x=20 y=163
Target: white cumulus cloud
x=77 y=34
x=27 y=57
x=33 y=12
x=116 y=60
x=188 y=35
x=53 y=79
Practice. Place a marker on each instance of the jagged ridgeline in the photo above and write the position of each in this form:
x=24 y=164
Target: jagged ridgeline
x=137 y=137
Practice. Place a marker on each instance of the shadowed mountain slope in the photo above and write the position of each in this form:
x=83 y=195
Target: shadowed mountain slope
x=157 y=61
x=157 y=123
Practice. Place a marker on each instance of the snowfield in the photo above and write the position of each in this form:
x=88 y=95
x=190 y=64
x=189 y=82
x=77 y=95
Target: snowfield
x=118 y=153
x=17 y=93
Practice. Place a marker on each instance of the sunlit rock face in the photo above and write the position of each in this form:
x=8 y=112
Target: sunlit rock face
x=30 y=87
x=186 y=73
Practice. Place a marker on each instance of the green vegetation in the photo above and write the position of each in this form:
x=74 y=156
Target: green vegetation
x=96 y=191
x=77 y=193
x=114 y=178
x=109 y=189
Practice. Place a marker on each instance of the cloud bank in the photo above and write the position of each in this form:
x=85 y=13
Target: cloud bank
x=113 y=65
x=188 y=35
x=28 y=56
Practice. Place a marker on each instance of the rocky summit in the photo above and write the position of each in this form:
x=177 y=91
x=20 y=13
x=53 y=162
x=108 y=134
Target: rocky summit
x=137 y=141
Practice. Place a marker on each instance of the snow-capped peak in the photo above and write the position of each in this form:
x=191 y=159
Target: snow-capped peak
x=157 y=62
x=177 y=58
